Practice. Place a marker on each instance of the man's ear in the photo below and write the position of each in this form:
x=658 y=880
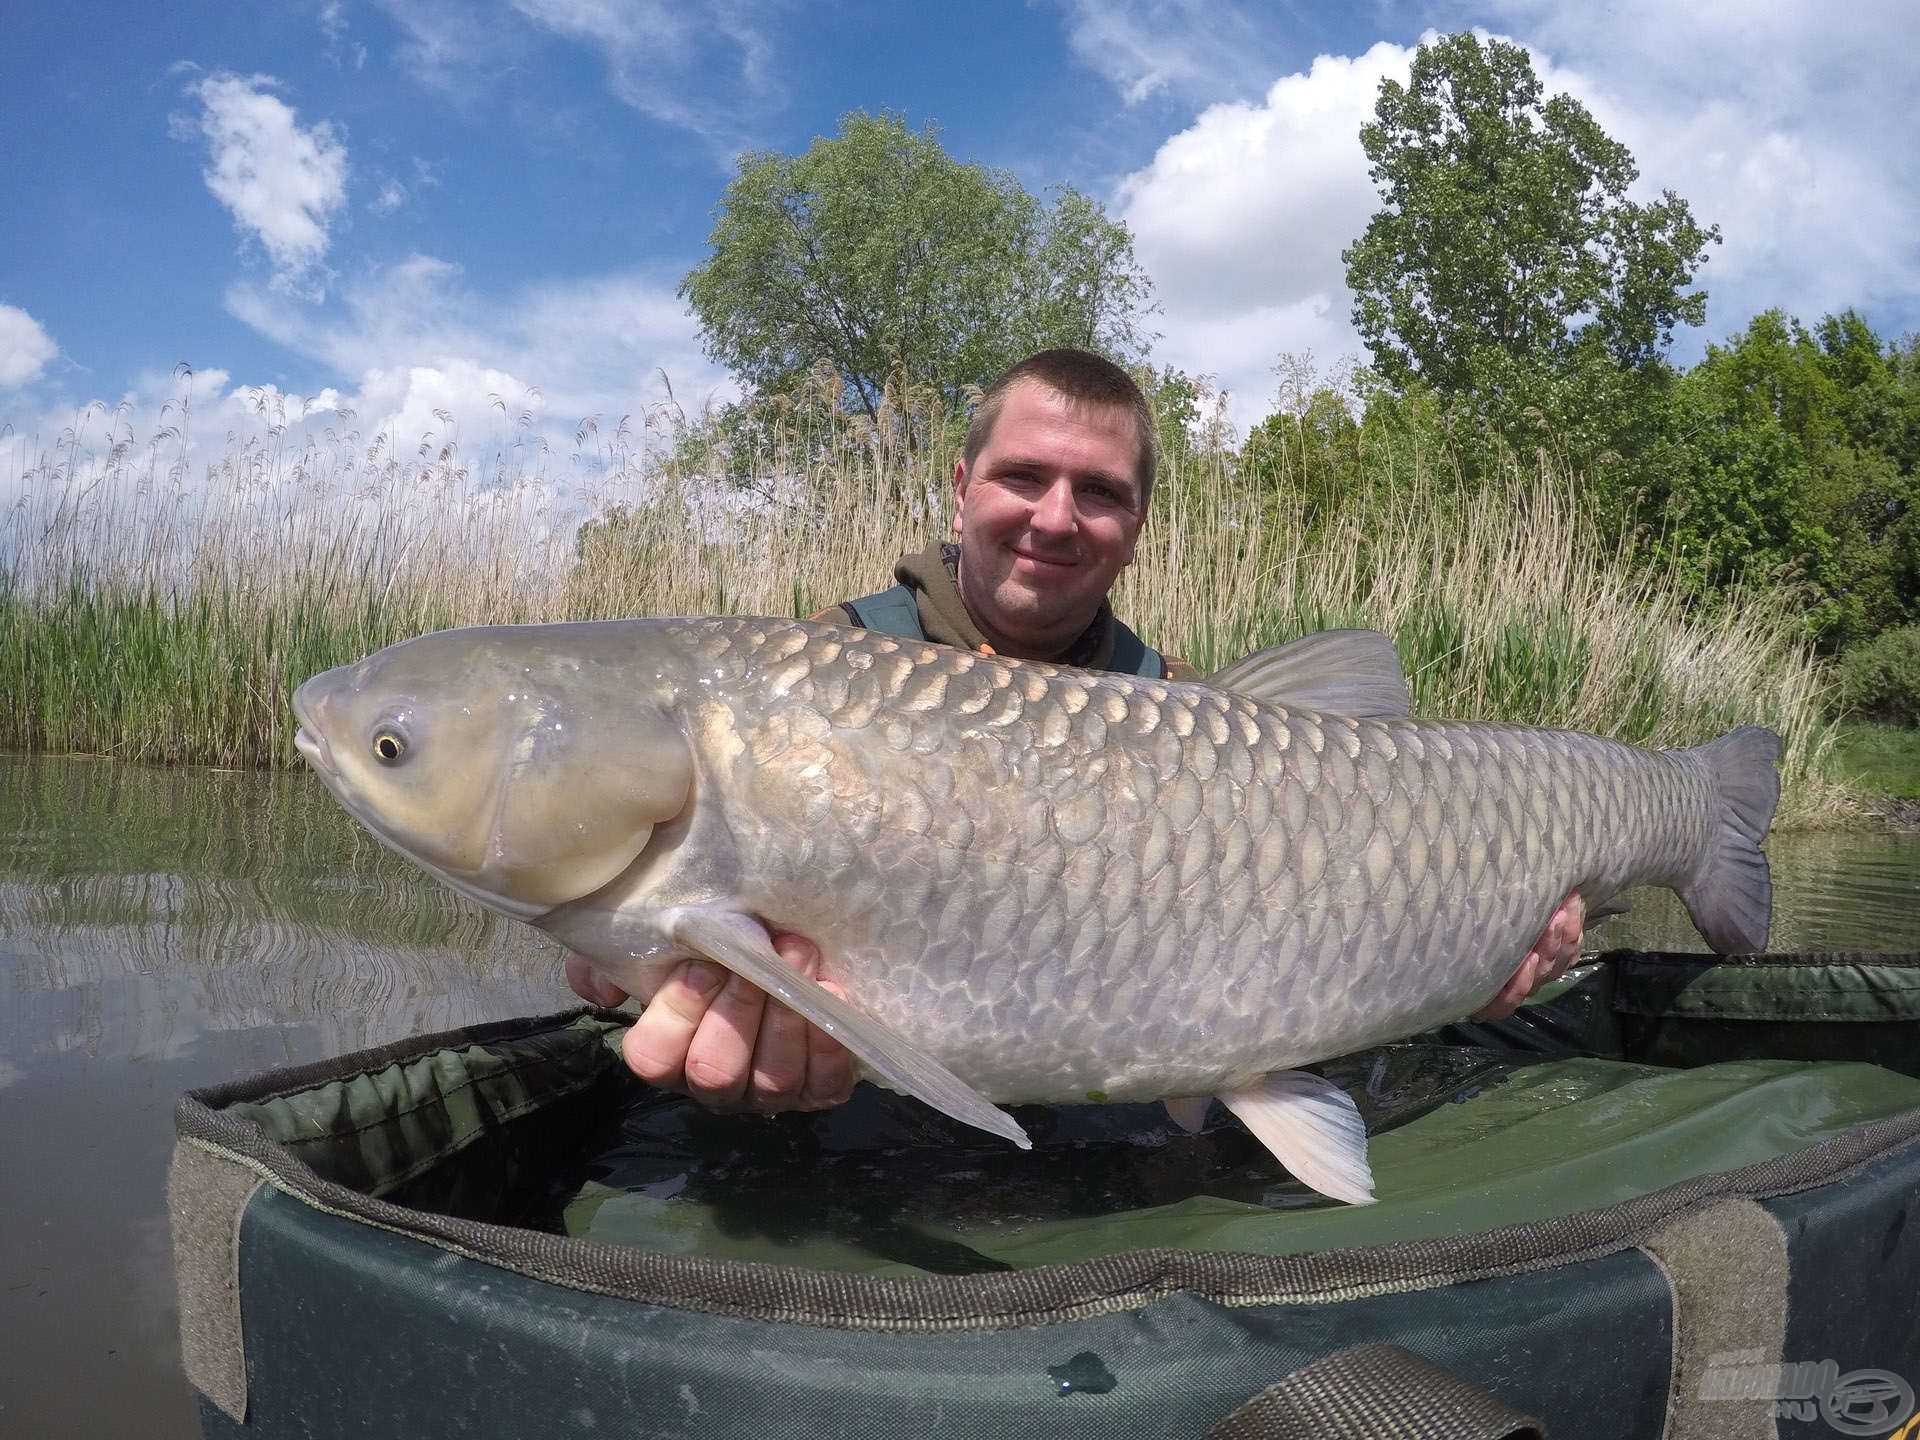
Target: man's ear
x=959 y=492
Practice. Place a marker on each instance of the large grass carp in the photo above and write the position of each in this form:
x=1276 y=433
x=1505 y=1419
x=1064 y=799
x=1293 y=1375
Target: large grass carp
x=1035 y=883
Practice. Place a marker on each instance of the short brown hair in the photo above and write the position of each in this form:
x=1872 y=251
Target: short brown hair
x=1082 y=378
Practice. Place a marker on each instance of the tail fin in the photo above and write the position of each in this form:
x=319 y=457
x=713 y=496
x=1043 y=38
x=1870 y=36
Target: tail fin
x=1730 y=896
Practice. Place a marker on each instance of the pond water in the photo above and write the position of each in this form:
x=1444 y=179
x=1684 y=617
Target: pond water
x=163 y=930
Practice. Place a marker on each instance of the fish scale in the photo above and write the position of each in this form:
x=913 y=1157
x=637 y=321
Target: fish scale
x=1032 y=883
x=1042 y=781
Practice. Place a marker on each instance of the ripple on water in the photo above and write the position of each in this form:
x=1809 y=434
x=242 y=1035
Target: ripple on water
x=163 y=905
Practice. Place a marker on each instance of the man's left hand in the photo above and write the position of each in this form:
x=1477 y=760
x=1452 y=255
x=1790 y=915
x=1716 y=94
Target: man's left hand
x=1556 y=949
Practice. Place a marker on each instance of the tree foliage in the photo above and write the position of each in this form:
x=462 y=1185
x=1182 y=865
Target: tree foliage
x=1795 y=469
x=1881 y=679
x=880 y=254
x=1507 y=269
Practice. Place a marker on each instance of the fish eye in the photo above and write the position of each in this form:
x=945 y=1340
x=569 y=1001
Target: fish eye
x=389 y=745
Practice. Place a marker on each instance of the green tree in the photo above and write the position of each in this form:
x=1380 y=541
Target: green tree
x=1308 y=454
x=1506 y=268
x=1791 y=473
x=880 y=254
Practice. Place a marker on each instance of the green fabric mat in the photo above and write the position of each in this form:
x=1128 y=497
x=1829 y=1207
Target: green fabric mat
x=1540 y=1140
x=378 y=1129
x=548 y=1131
x=1791 y=993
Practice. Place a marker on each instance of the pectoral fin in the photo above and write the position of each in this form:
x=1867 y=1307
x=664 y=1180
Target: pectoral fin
x=740 y=943
x=1313 y=1129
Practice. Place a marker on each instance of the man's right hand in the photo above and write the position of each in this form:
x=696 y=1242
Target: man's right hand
x=711 y=1035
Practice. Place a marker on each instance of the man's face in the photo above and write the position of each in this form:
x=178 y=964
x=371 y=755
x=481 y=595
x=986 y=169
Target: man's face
x=1048 y=517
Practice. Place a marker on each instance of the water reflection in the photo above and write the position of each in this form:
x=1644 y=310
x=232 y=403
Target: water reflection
x=140 y=907
x=1831 y=891
x=162 y=930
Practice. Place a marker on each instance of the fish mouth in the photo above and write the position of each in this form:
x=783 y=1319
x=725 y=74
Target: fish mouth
x=308 y=738
x=316 y=752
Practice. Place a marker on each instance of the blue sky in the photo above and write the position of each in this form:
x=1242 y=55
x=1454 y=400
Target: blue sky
x=411 y=207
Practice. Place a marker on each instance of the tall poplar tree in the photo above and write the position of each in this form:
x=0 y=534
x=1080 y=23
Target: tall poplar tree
x=1507 y=269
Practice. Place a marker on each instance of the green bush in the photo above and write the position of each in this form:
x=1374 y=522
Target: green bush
x=1882 y=677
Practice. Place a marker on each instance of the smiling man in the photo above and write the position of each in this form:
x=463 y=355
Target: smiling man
x=1051 y=492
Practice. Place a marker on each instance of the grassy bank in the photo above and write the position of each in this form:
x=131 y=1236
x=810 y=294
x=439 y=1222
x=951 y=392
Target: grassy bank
x=165 y=619
x=1880 y=763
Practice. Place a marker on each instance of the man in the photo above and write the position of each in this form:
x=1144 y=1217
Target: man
x=1052 y=488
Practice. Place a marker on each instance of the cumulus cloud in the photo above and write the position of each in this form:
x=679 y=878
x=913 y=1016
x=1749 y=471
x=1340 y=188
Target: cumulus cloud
x=145 y=427
x=283 y=182
x=25 y=348
x=418 y=340
x=1195 y=50
x=1772 y=121
x=1763 y=118
x=1241 y=218
x=422 y=360
x=1254 y=202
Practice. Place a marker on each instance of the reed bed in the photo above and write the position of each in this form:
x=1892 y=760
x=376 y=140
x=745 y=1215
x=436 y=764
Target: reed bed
x=156 y=611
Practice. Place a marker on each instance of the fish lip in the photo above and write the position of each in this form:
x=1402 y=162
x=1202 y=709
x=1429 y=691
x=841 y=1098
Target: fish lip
x=308 y=738
x=314 y=747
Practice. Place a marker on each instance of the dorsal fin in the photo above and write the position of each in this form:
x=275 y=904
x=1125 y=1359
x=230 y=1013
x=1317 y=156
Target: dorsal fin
x=1336 y=672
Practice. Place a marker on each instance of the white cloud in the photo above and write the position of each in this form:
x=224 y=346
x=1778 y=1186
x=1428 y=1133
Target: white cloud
x=282 y=182
x=25 y=348
x=1254 y=202
x=145 y=428
x=415 y=339
x=1770 y=121
x=421 y=360
x=395 y=192
x=1241 y=218
x=685 y=64
x=1781 y=122
x=441 y=41
x=1181 y=49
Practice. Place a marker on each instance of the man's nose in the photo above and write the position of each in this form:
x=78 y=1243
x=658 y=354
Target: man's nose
x=1054 y=509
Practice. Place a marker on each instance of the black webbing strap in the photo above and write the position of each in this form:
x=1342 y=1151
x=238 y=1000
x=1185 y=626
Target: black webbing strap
x=1372 y=1392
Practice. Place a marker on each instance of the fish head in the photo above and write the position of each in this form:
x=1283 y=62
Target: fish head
x=512 y=767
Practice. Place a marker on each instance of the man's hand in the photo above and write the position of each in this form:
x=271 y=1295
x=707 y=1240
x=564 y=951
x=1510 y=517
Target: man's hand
x=1556 y=949
x=709 y=1034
